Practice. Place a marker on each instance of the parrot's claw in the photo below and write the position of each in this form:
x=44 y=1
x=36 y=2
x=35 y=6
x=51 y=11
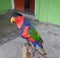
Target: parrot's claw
x=27 y=44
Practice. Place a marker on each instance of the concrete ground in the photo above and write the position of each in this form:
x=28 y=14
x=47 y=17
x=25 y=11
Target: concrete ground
x=11 y=44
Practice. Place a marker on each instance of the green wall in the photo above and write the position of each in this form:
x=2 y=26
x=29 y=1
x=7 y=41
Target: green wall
x=37 y=9
x=5 y=5
x=48 y=11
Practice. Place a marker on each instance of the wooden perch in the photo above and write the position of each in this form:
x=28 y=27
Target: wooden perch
x=28 y=52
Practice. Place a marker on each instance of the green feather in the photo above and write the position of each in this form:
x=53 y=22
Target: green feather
x=35 y=35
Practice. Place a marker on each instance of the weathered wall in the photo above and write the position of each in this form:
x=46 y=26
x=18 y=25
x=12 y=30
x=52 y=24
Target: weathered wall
x=48 y=11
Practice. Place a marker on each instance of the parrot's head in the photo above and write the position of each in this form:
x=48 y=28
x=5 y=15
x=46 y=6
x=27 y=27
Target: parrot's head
x=17 y=18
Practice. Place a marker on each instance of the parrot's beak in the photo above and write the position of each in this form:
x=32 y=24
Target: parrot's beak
x=12 y=20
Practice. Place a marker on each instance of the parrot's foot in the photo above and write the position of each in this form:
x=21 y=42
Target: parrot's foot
x=27 y=44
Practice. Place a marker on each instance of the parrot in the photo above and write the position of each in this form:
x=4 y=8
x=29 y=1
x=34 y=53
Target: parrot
x=27 y=31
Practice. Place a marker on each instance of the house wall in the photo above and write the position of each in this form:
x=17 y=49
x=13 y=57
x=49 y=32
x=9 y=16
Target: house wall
x=5 y=5
x=48 y=11
x=37 y=9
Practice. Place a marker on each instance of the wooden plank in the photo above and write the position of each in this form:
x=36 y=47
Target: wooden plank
x=26 y=53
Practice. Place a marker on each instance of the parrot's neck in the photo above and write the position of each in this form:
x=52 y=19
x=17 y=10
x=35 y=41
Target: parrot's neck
x=19 y=21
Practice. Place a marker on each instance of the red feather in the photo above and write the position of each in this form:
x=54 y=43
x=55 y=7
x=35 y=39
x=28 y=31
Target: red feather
x=19 y=21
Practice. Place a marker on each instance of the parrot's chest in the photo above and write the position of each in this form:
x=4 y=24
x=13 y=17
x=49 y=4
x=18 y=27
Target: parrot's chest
x=26 y=23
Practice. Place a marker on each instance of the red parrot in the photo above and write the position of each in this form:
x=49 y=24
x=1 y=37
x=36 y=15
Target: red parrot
x=27 y=31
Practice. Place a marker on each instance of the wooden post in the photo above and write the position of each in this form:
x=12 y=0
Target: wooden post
x=26 y=53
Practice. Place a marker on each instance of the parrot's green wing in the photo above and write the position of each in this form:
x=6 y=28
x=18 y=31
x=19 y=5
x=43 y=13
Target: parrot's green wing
x=35 y=35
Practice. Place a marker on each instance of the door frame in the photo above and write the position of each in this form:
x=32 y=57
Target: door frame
x=13 y=6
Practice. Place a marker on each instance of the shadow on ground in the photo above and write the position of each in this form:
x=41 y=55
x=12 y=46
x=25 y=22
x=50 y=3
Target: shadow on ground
x=8 y=31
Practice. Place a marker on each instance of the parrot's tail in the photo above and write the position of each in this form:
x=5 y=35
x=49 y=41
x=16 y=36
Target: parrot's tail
x=43 y=51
